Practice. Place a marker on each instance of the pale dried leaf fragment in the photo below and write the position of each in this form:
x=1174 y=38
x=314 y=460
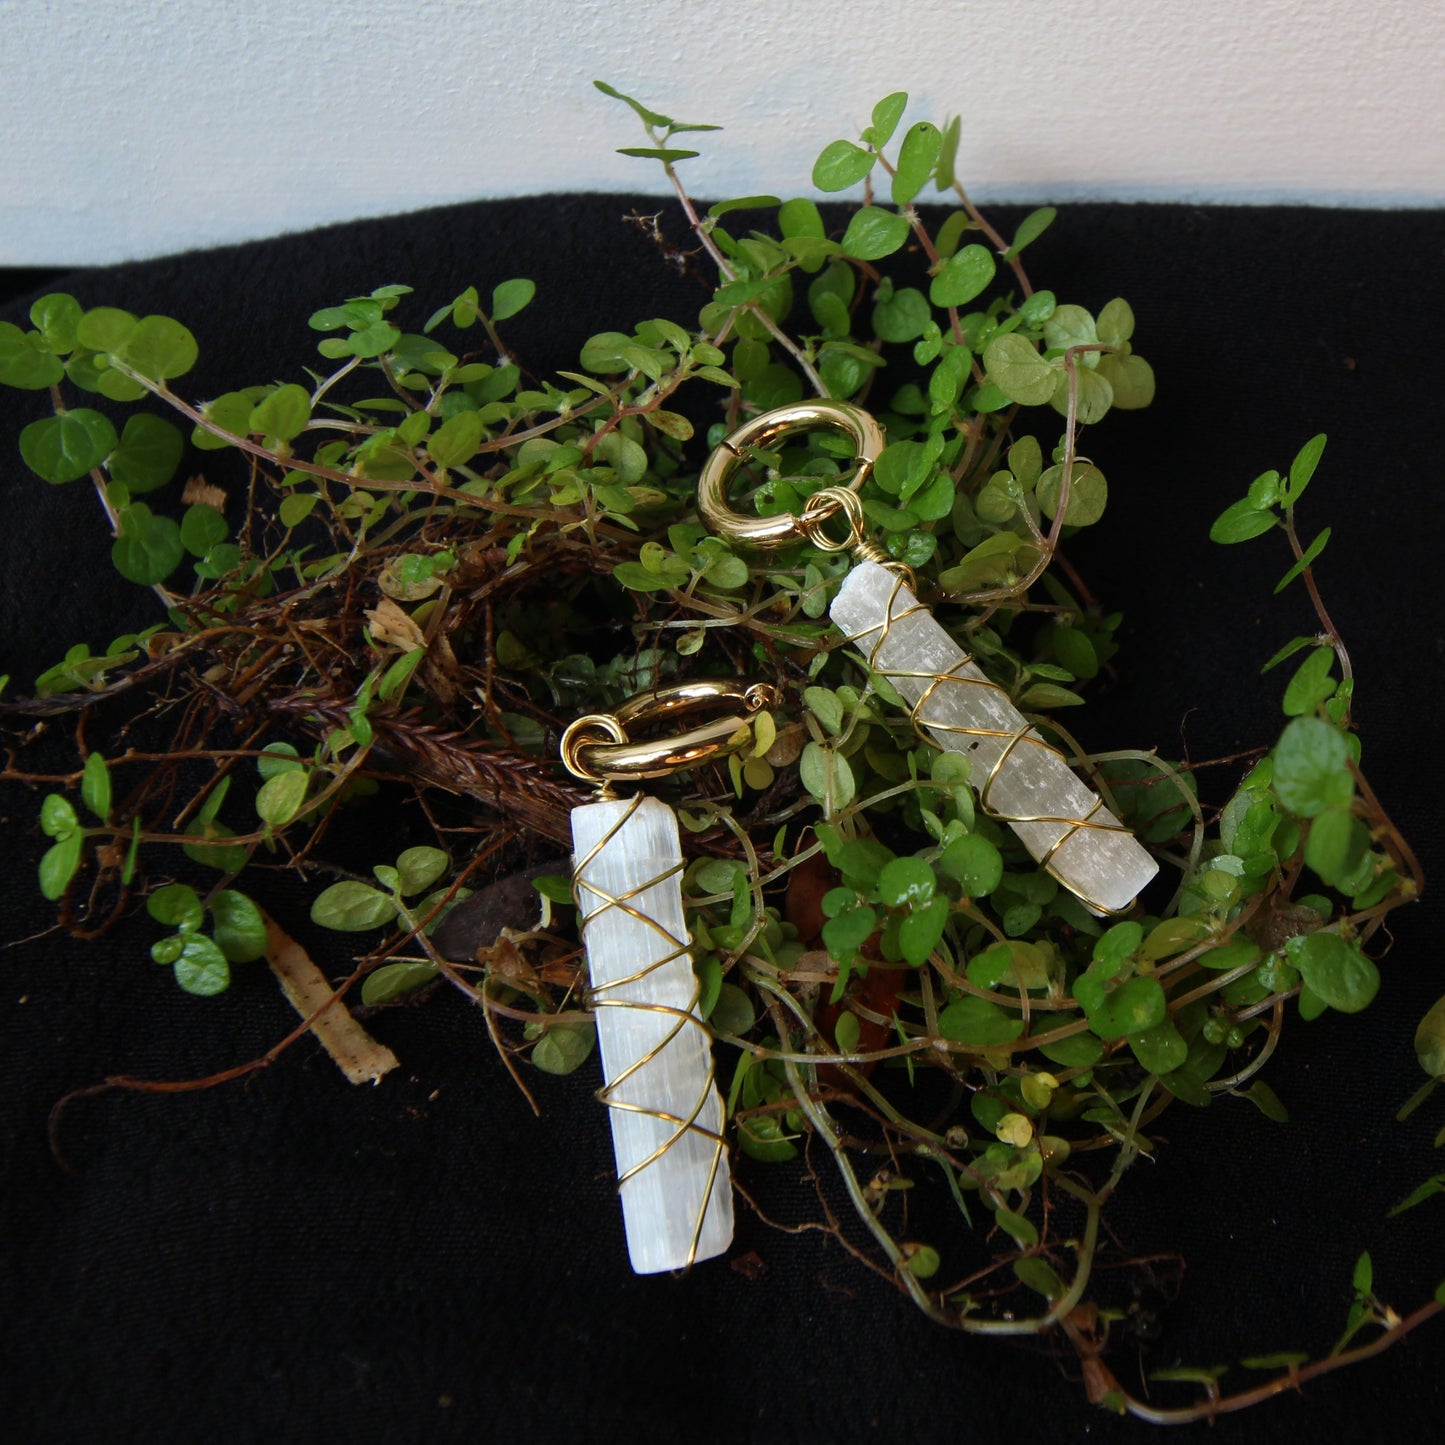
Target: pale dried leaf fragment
x=199 y=491
x=395 y=625
x=357 y=1054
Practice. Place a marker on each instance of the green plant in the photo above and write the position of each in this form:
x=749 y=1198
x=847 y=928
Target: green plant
x=857 y=919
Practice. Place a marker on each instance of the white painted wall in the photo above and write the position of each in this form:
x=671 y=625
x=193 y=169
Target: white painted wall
x=136 y=129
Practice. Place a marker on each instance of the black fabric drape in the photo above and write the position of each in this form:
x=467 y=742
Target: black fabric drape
x=291 y=1258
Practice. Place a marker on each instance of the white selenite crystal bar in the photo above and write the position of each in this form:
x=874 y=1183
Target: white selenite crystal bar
x=1107 y=868
x=661 y=1202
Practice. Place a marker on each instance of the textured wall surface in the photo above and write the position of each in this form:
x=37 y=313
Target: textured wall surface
x=140 y=129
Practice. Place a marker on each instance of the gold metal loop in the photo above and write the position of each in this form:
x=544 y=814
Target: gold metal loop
x=824 y=504
x=586 y=756
x=765 y=431
x=582 y=733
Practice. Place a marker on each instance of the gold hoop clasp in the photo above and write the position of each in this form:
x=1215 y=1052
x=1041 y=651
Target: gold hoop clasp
x=587 y=753
x=765 y=431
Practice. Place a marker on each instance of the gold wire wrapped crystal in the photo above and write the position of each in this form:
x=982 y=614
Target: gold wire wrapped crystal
x=1020 y=779
x=660 y=1089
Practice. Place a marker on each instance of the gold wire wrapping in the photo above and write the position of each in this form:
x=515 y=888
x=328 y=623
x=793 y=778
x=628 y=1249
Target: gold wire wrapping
x=903 y=578
x=611 y=1094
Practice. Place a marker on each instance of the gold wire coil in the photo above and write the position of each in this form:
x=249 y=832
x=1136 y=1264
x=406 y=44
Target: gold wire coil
x=587 y=754
x=765 y=431
x=613 y=1093
x=1016 y=738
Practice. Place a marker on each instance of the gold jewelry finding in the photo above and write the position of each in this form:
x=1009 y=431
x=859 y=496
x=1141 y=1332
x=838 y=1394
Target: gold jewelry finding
x=766 y=430
x=591 y=757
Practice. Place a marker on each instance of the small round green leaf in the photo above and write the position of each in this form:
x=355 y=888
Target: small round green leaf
x=903 y=317
x=801 y=217
x=846 y=1032
x=1430 y=1040
x=231 y=412
x=1072 y=326
x=95 y=786
x=974 y=862
x=296 y=507
x=1336 y=845
x=1130 y=378
x=1093 y=394
x=372 y=340
x=281 y=797
x=1311 y=767
x=923 y=1261
x=24 y=361
x=351 y=907
x=965 y=275
x=392 y=980
x=57 y=817
x=726 y=572
x=201 y=528
x=58 y=865
x=149 y=548
x=1137 y=1004
x=564 y=1047
x=167 y=950
x=1116 y=322
x=104 y=328
x=906 y=881
x=920 y=931
x=1160 y=1049
x=159 y=348
x=149 y=452
x=1311 y=684
x=283 y=414
x=240 y=928
x=215 y=852
x=420 y=867
x=1118 y=943
x=1031 y=228
x=1017 y=369
x=886 y=115
x=511 y=297
x=917 y=157
x=1240 y=522
x=1088 y=494
x=979 y=1022
x=874 y=233
x=827 y=776
x=847 y=932
x=1334 y=970
x=177 y=905
x=457 y=440
x=733 y=1013
x=277 y=758
x=56 y=317
x=202 y=968
x=842 y=164
x=64 y=448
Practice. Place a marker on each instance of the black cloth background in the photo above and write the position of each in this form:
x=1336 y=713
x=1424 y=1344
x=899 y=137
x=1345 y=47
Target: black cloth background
x=291 y=1258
